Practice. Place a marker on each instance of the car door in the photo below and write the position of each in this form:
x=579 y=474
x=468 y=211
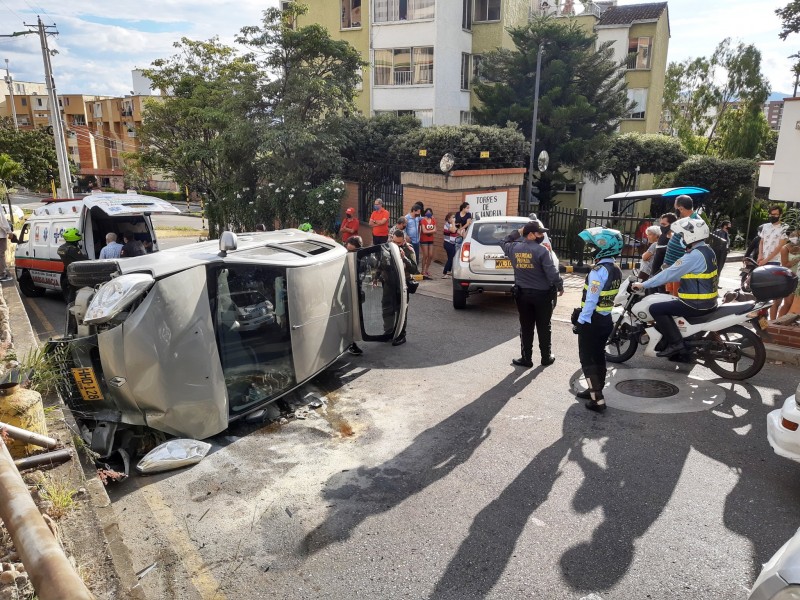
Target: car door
x=379 y=296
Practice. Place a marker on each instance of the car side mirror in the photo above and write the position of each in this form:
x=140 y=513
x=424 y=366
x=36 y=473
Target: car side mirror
x=227 y=242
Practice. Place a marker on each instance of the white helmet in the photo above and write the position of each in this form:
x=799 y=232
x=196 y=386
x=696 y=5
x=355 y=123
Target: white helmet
x=694 y=229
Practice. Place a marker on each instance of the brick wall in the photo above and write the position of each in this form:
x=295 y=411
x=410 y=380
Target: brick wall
x=783 y=335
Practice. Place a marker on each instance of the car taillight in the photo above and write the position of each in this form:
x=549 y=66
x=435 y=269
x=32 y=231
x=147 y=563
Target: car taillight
x=790 y=425
x=465 y=252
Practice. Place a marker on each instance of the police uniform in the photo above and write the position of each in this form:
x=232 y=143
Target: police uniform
x=70 y=253
x=536 y=281
x=594 y=321
x=697 y=293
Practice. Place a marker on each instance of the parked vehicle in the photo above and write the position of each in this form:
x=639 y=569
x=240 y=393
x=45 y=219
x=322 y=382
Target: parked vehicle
x=169 y=342
x=480 y=265
x=780 y=576
x=720 y=339
x=38 y=266
x=783 y=428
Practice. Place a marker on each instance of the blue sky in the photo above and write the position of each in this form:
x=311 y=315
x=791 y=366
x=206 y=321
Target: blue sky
x=101 y=42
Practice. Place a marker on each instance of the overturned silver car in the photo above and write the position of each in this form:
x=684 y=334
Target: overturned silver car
x=188 y=340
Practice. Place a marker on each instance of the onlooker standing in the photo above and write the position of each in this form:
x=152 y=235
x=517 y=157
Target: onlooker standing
x=112 y=249
x=652 y=234
x=463 y=218
x=720 y=243
x=349 y=226
x=450 y=235
x=427 y=227
x=790 y=258
x=536 y=282
x=773 y=238
x=132 y=247
x=379 y=221
x=399 y=226
x=412 y=228
x=684 y=207
x=754 y=245
x=5 y=232
x=665 y=222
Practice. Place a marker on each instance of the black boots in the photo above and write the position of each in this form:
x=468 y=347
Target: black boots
x=526 y=360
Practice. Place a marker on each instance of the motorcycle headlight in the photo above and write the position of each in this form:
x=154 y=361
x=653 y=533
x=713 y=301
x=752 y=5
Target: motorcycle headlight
x=117 y=295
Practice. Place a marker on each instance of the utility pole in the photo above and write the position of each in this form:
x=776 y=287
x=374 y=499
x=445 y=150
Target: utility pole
x=65 y=191
x=10 y=84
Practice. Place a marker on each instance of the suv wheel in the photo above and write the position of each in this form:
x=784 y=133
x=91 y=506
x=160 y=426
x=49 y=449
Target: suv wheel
x=27 y=287
x=89 y=273
x=460 y=298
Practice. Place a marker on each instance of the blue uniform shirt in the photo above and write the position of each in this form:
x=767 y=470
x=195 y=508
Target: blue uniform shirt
x=596 y=280
x=692 y=262
x=412 y=228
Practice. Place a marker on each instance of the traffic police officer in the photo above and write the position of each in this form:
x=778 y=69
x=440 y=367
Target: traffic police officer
x=697 y=293
x=593 y=323
x=69 y=251
x=536 y=282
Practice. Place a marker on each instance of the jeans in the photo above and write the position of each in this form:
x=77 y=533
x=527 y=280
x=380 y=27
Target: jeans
x=450 y=248
x=379 y=239
x=415 y=245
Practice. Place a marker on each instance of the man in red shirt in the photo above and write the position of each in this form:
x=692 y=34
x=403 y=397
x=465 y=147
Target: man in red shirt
x=349 y=225
x=379 y=221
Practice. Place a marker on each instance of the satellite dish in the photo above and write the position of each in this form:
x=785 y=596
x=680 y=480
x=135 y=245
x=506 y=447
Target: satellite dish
x=447 y=163
x=543 y=161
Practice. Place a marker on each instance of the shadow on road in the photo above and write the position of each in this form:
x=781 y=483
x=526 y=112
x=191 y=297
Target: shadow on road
x=434 y=454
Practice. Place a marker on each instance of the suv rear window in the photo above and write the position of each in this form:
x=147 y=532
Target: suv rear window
x=491 y=234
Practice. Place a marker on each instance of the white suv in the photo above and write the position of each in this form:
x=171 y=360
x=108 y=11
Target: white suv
x=480 y=265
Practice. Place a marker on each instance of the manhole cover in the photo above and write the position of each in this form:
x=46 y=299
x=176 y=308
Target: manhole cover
x=647 y=388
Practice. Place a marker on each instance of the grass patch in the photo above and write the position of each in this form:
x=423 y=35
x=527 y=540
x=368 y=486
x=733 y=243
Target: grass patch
x=59 y=493
x=42 y=371
x=173 y=232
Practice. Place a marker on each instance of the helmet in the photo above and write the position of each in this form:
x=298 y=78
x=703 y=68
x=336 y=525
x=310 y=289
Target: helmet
x=694 y=229
x=72 y=235
x=607 y=241
x=305 y=227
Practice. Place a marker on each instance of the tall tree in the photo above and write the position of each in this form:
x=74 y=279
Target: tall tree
x=790 y=18
x=35 y=152
x=201 y=131
x=743 y=133
x=582 y=95
x=649 y=152
x=308 y=81
x=699 y=92
x=10 y=170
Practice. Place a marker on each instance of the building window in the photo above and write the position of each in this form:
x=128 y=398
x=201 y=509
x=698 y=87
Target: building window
x=24 y=101
x=403 y=10
x=288 y=19
x=425 y=116
x=639 y=53
x=466 y=117
x=466 y=15
x=98 y=110
x=39 y=102
x=487 y=10
x=351 y=13
x=639 y=97
x=79 y=120
x=404 y=66
x=466 y=70
x=477 y=69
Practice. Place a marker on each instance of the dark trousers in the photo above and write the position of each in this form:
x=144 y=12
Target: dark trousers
x=535 y=308
x=379 y=239
x=592 y=338
x=451 y=253
x=664 y=311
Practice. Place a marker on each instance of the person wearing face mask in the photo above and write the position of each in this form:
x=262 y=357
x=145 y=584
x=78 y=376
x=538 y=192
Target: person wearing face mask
x=790 y=258
x=773 y=237
x=665 y=222
x=379 y=221
x=536 y=283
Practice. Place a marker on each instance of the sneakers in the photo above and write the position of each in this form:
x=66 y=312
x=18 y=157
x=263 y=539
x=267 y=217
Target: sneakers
x=399 y=341
x=548 y=360
x=355 y=350
x=6 y=277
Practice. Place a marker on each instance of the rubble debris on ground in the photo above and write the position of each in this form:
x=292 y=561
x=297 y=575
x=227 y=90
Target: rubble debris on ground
x=173 y=454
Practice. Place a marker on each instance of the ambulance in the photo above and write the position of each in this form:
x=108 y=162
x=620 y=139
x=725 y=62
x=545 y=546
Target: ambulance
x=38 y=266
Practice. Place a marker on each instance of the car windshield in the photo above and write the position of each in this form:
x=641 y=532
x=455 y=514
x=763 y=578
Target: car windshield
x=246 y=298
x=491 y=234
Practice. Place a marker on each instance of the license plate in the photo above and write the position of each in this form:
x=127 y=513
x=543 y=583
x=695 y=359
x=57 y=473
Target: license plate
x=87 y=384
x=762 y=322
x=502 y=263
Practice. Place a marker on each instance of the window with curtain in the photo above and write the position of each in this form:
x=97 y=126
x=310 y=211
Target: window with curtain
x=466 y=15
x=403 y=66
x=487 y=10
x=403 y=10
x=639 y=97
x=639 y=53
x=423 y=66
x=465 y=70
x=351 y=13
x=383 y=67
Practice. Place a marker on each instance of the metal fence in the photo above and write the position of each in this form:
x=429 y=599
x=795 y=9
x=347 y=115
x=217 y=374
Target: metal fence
x=390 y=190
x=566 y=223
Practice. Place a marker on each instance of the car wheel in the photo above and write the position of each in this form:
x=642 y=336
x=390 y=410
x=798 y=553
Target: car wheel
x=28 y=288
x=460 y=299
x=89 y=273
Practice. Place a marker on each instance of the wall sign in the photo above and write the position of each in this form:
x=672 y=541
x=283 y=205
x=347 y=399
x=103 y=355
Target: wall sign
x=488 y=204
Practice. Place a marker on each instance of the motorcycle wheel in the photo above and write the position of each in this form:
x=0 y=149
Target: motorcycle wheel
x=622 y=344
x=735 y=353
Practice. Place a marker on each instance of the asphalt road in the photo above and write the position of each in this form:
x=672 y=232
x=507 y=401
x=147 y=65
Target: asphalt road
x=437 y=470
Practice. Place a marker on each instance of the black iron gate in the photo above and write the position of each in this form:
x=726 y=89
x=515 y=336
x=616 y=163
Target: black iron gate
x=389 y=189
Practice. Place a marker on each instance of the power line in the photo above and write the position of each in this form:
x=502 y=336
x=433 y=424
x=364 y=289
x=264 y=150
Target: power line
x=12 y=10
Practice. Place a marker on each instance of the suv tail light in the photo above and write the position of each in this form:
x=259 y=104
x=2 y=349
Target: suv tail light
x=465 y=252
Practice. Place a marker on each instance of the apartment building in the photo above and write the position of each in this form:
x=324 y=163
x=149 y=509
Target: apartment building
x=774 y=112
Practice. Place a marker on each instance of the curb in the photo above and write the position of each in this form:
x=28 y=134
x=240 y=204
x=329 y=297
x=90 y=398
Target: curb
x=788 y=356
x=24 y=339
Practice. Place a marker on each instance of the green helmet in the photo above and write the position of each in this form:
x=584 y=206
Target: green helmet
x=71 y=235
x=305 y=227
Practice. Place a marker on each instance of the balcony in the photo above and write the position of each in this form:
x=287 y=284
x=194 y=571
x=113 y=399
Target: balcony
x=402 y=77
x=563 y=8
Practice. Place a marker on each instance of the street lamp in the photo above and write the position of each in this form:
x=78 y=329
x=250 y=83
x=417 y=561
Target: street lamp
x=580 y=185
x=533 y=125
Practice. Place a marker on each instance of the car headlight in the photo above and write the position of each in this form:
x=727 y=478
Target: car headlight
x=117 y=295
x=791 y=592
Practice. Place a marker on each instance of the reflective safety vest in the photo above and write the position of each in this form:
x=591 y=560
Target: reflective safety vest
x=699 y=290
x=609 y=291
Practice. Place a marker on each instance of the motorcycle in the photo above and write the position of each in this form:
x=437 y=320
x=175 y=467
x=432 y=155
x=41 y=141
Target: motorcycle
x=719 y=339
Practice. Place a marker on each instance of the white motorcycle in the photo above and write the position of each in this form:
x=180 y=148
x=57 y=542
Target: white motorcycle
x=719 y=339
